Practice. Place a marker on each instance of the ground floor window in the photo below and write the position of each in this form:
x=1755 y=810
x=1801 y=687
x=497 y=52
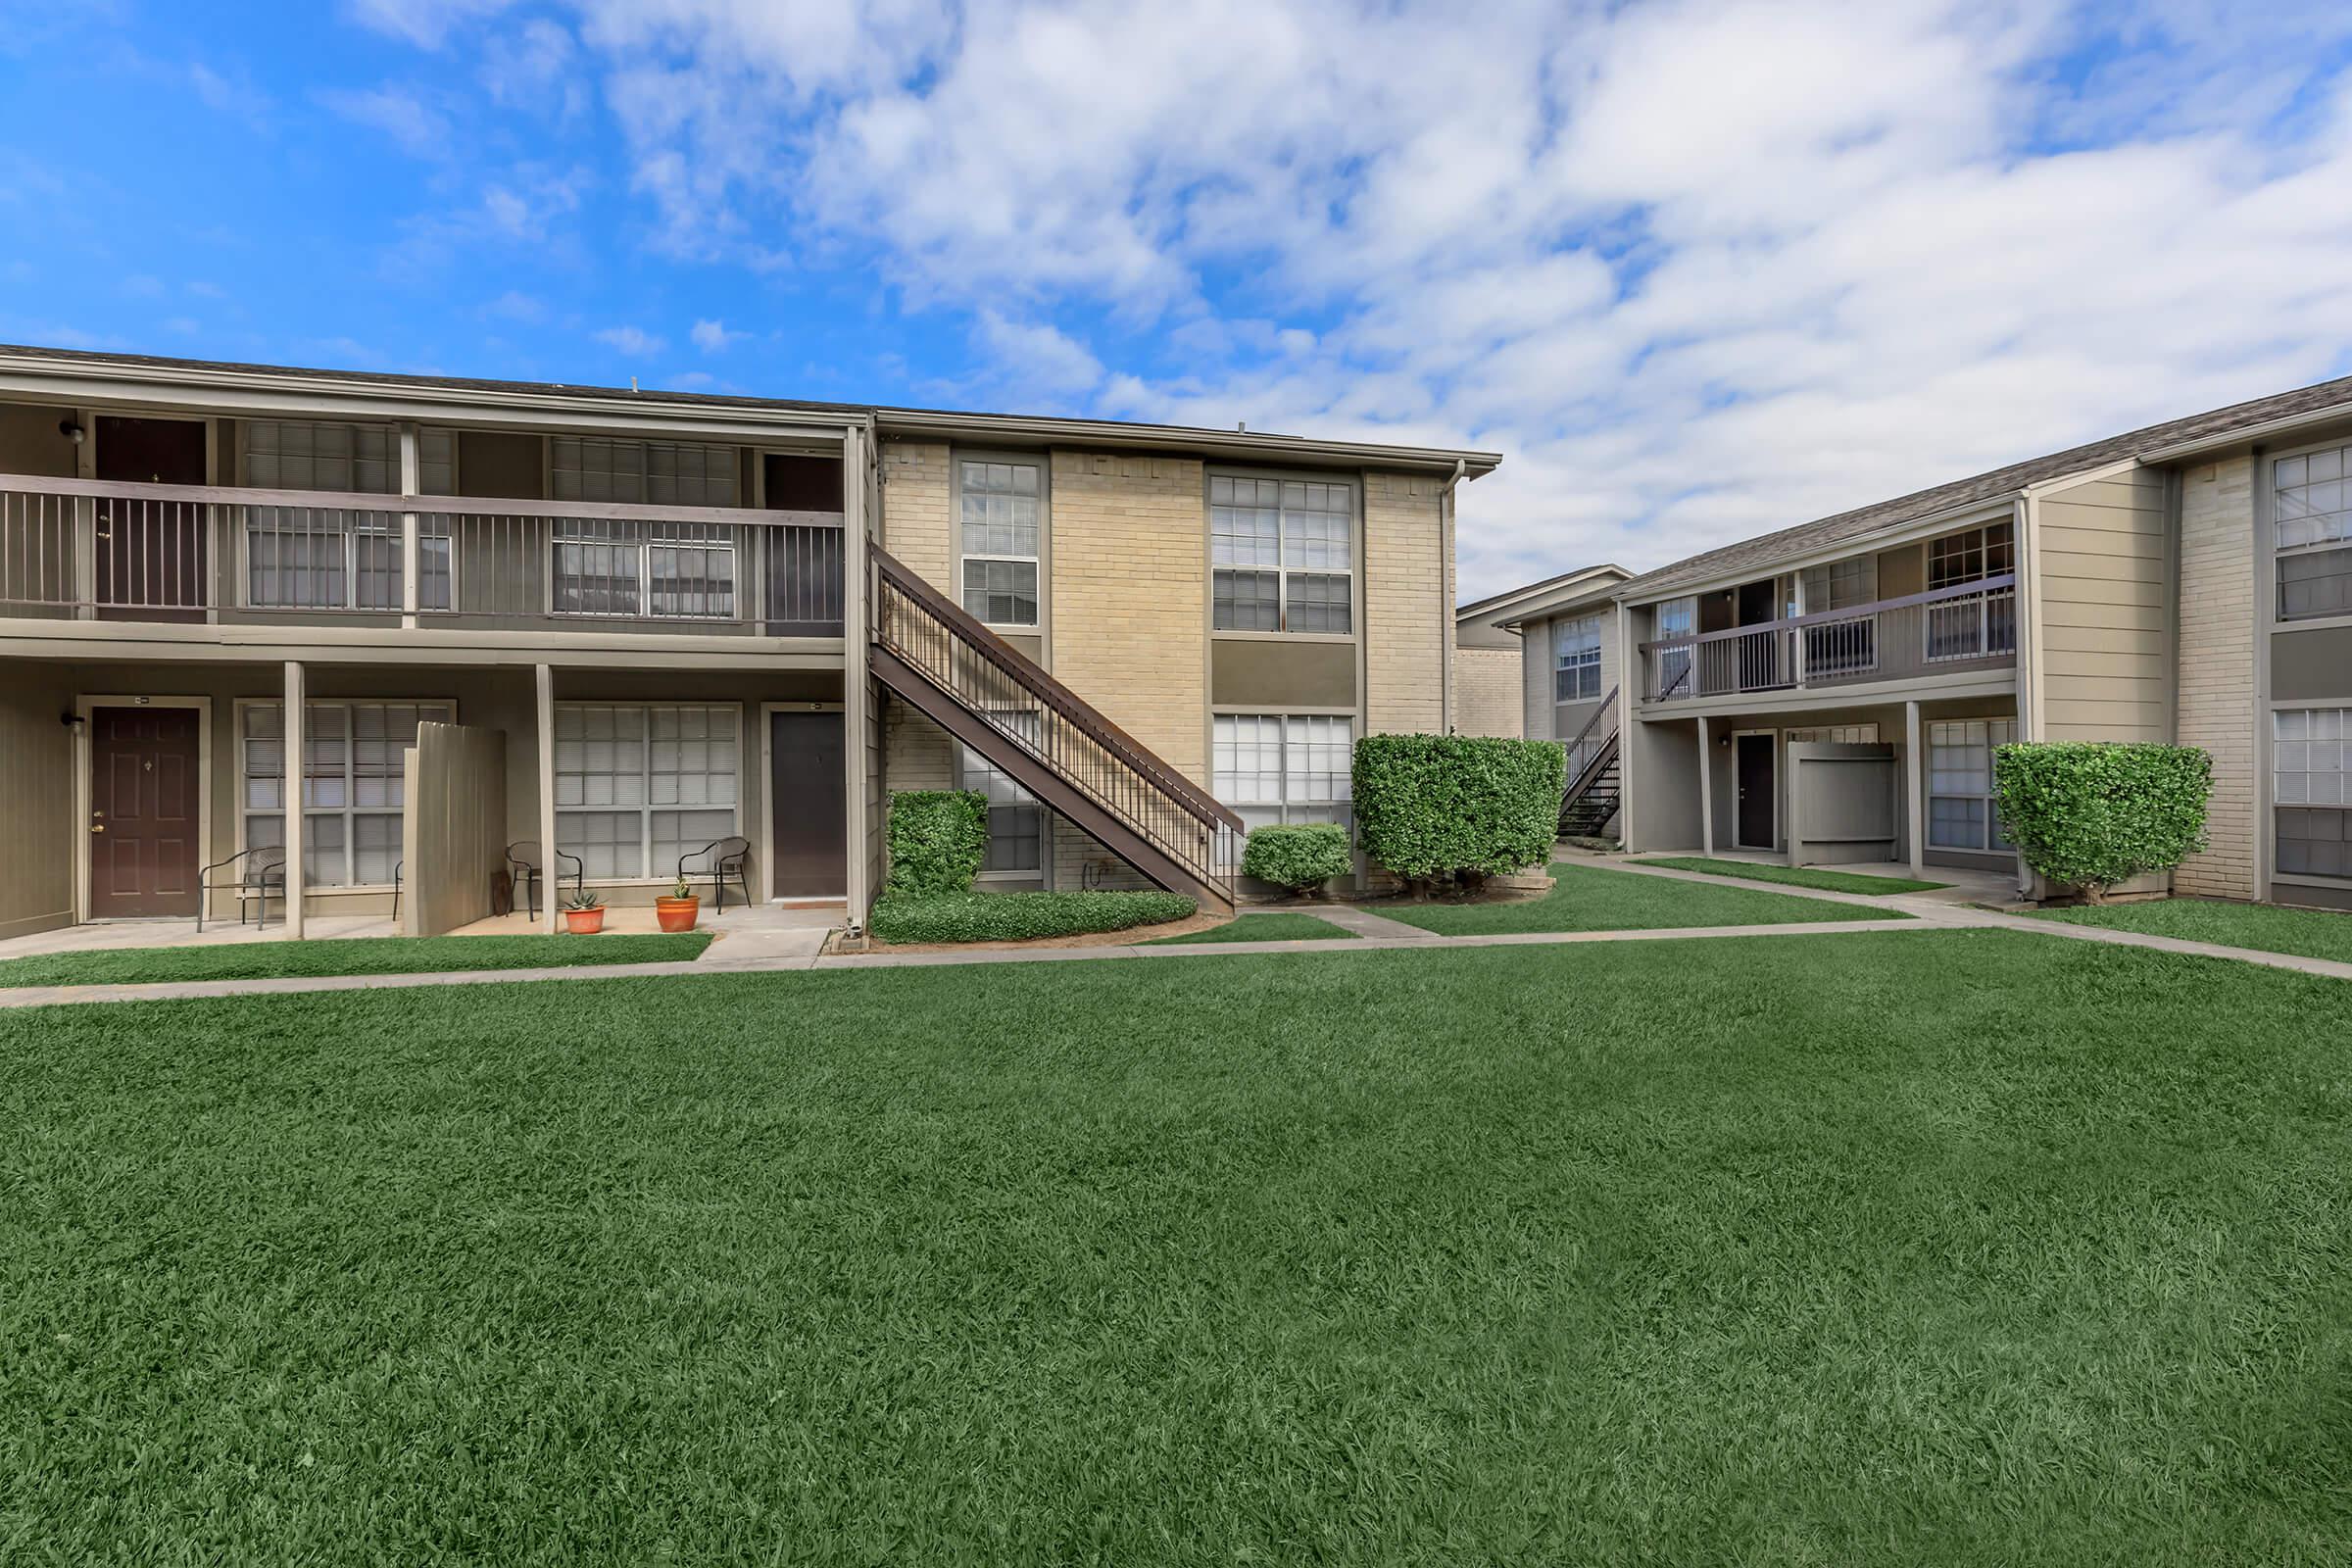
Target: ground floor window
x=1960 y=809
x=1836 y=735
x=1016 y=823
x=2311 y=775
x=640 y=784
x=351 y=784
x=1284 y=767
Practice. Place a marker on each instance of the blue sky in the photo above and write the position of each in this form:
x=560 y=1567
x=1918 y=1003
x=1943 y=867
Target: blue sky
x=1697 y=269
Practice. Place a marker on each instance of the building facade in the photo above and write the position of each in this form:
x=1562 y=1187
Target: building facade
x=1834 y=693
x=345 y=640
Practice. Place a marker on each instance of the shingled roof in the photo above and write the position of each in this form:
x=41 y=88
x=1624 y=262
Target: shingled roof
x=1808 y=538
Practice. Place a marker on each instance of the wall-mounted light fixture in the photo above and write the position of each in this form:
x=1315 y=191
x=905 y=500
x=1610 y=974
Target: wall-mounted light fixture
x=70 y=429
x=72 y=721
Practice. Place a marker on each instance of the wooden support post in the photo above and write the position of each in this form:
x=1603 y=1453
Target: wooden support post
x=1706 y=787
x=1914 y=776
x=551 y=876
x=296 y=734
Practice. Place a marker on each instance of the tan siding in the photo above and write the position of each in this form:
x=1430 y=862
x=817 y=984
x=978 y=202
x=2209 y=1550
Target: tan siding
x=1486 y=691
x=2100 y=547
x=2217 y=668
x=1407 y=620
x=38 y=833
x=1535 y=697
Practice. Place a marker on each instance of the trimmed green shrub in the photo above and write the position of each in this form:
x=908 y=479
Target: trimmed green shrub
x=1021 y=916
x=2091 y=814
x=1298 y=858
x=938 y=839
x=1436 y=808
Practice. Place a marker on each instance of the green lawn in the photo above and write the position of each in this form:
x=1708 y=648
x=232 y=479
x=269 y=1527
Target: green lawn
x=1268 y=925
x=263 y=960
x=2266 y=928
x=1900 y=1247
x=1587 y=898
x=1795 y=876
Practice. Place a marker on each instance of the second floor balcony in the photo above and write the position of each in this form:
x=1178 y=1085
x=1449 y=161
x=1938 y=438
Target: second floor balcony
x=1964 y=628
x=106 y=550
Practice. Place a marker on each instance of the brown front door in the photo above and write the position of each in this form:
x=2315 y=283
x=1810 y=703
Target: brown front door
x=143 y=811
x=150 y=555
x=808 y=808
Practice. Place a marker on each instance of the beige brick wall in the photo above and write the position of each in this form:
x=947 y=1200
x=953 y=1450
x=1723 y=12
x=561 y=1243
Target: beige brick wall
x=914 y=509
x=1486 y=691
x=1405 y=608
x=2217 y=696
x=1130 y=597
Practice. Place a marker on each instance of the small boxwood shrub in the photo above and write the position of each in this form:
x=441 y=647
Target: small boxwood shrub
x=1021 y=916
x=1298 y=858
x=938 y=839
x=2091 y=814
x=1444 y=809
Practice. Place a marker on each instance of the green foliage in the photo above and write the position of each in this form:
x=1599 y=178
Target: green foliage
x=1444 y=808
x=1021 y=916
x=583 y=901
x=1298 y=858
x=938 y=839
x=2090 y=814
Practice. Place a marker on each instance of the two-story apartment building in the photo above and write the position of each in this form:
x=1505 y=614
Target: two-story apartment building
x=340 y=636
x=1831 y=693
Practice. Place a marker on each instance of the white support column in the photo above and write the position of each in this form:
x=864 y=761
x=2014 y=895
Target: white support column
x=856 y=583
x=412 y=482
x=1706 y=786
x=1796 y=591
x=296 y=732
x=1914 y=776
x=551 y=892
x=85 y=521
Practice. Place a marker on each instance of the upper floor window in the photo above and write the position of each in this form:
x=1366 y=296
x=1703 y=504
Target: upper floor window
x=1676 y=618
x=999 y=510
x=661 y=473
x=1842 y=584
x=338 y=558
x=2312 y=505
x=1970 y=557
x=1282 y=554
x=1576 y=660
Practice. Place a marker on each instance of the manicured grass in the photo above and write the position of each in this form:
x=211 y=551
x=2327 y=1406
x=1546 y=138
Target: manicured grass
x=2266 y=928
x=265 y=960
x=1795 y=876
x=1265 y=925
x=1585 y=897
x=1896 y=1248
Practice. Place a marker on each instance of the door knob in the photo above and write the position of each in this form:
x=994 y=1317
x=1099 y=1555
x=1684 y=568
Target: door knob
x=97 y=827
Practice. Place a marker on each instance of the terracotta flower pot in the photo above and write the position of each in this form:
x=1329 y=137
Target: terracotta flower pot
x=584 y=922
x=676 y=915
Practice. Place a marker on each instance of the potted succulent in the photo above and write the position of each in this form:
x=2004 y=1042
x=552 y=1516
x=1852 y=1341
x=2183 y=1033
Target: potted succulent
x=583 y=913
x=676 y=909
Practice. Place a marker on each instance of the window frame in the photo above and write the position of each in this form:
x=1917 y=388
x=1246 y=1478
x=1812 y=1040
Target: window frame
x=646 y=808
x=431 y=528
x=241 y=776
x=1584 y=665
x=2333 y=715
x=1288 y=812
x=2311 y=548
x=642 y=538
x=1039 y=562
x=970 y=761
x=1282 y=571
x=1991 y=822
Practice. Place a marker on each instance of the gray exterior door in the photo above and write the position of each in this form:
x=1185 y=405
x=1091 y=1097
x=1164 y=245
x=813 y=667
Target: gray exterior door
x=1754 y=763
x=809 y=808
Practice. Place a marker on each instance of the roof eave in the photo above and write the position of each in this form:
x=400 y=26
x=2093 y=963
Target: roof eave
x=1044 y=429
x=2246 y=435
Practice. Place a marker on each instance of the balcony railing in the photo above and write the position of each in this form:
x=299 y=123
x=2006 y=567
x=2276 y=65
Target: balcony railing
x=118 y=551
x=1969 y=626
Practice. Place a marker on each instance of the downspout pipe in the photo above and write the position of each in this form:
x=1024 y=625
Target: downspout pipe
x=1448 y=539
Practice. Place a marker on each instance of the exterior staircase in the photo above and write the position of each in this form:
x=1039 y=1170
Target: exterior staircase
x=1594 y=779
x=1009 y=710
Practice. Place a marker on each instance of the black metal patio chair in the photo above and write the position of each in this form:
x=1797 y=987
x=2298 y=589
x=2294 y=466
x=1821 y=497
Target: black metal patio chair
x=722 y=860
x=254 y=874
x=523 y=869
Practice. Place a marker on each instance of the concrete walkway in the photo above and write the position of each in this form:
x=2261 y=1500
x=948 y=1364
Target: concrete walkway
x=1379 y=934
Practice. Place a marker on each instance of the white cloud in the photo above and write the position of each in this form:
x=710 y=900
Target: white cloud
x=415 y=126
x=633 y=341
x=1697 y=269
x=426 y=23
x=712 y=337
